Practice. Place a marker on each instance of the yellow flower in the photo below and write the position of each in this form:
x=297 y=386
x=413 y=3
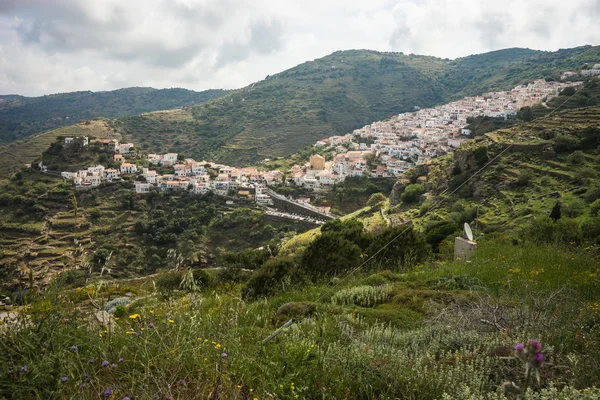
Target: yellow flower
x=171 y=321
x=134 y=316
x=116 y=318
x=151 y=311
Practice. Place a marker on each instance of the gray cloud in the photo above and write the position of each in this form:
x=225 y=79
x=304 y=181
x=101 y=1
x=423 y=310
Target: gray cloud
x=64 y=45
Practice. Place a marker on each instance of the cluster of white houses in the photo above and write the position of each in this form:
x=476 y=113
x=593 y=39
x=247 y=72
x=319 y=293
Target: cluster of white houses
x=188 y=174
x=397 y=144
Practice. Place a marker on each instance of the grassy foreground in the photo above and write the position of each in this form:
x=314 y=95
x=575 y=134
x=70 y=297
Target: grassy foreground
x=440 y=331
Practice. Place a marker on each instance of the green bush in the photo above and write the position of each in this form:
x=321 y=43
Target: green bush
x=577 y=157
x=270 y=278
x=168 y=282
x=399 y=248
x=329 y=254
x=595 y=208
x=412 y=193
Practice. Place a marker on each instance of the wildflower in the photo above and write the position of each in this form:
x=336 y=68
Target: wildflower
x=92 y=361
x=151 y=325
x=134 y=316
x=82 y=386
x=182 y=382
x=107 y=393
x=74 y=348
x=105 y=363
x=65 y=321
x=64 y=379
x=171 y=321
x=538 y=360
x=535 y=346
x=121 y=359
x=86 y=377
x=224 y=355
x=126 y=398
x=520 y=348
x=116 y=318
x=24 y=368
x=139 y=333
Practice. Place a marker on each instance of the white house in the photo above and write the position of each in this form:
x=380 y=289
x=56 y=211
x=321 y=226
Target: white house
x=169 y=159
x=124 y=148
x=128 y=168
x=142 y=187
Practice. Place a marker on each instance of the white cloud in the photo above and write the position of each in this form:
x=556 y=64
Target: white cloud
x=454 y=28
x=49 y=46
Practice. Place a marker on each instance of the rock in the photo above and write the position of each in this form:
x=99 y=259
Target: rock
x=105 y=319
x=397 y=191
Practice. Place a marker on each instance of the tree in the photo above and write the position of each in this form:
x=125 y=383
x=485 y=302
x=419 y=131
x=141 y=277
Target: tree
x=525 y=114
x=568 y=91
x=375 y=200
x=556 y=212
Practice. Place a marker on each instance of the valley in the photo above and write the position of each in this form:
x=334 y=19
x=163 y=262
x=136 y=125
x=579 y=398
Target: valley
x=132 y=267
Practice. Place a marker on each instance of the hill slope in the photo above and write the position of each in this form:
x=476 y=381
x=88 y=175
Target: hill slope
x=21 y=116
x=336 y=94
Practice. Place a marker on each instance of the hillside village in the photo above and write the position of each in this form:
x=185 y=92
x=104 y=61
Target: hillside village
x=396 y=145
x=414 y=138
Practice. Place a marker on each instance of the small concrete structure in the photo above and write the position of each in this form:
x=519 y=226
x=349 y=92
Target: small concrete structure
x=463 y=248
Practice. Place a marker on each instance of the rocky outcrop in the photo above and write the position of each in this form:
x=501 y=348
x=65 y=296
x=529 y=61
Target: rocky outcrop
x=397 y=191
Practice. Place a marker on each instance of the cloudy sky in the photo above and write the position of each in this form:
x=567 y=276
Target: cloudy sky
x=50 y=46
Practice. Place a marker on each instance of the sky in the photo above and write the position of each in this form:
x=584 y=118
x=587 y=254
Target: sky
x=54 y=46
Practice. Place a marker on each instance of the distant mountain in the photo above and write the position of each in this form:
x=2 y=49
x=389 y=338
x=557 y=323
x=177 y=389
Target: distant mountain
x=22 y=116
x=336 y=94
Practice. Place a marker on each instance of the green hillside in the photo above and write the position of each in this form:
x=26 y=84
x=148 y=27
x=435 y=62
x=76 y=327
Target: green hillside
x=375 y=309
x=21 y=116
x=336 y=94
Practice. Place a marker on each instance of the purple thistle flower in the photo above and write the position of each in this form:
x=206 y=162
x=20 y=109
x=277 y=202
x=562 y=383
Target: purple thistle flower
x=182 y=382
x=535 y=345
x=107 y=393
x=538 y=360
x=92 y=361
x=121 y=359
x=64 y=379
x=520 y=347
x=105 y=363
x=74 y=348
x=126 y=398
x=224 y=355
x=82 y=386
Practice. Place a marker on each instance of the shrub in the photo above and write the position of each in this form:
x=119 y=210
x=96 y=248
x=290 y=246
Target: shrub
x=412 y=193
x=595 y=208
x=330 y=254
x=363 y=296
x=400 y=247
x=590 y=229
x=525 y=177
x=112 y=305
x=576 y=157
x=584 y=174
x=564 y=143
x=169 y=282
x=544 y=230
x=269 y=278
x=573 y=207
x=202 y=278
